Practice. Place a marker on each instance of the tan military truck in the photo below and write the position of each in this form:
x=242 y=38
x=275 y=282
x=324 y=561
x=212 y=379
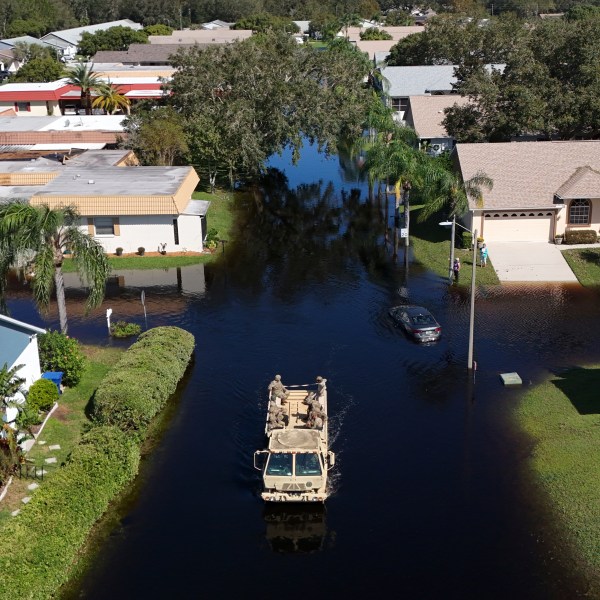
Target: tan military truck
x=297 y=459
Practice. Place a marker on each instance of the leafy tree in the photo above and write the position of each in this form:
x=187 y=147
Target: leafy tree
x=374 y=33
x=263 y=22
x=157 y=135
x=31 y=27
x=243 y=102
x=114 y=38
x=158 y=29
x=111 y=99
x=398 y=18
x=39 y=69
x=45 y=233
x=324 y=27
x=11 y=383
x=85 y=78
x=24 y=52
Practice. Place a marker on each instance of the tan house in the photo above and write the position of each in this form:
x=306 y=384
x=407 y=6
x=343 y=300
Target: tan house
x=541 y=189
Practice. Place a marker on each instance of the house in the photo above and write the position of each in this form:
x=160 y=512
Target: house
x=202 y=36
x=67 y=40
x=19 y=346
x=131 y=207
x=376 y=48
x=541 y=189
x=141 y=54
x=352 y=34
x=399 y=83
x=425 y=115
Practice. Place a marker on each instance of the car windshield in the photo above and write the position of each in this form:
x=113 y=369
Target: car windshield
x=279 y=464
x=308 y=464
x=426 y=320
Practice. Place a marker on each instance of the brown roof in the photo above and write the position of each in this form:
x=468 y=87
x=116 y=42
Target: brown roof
x=370 y=47
x=526 y=174
x=397 y=33
x=146 y=54
x=426 y=113
x=584 y=183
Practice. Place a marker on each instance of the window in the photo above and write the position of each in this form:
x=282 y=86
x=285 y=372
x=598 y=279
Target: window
x=22 y=107
x=104 y=226
x=579 y=212
x=280 y=464
x=308 y=464
x=400 y=104
x=176 y=231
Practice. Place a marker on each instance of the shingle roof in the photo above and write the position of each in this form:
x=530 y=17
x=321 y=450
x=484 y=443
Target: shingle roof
x=141 y=54
x=528 y=174
x=584 y=183
x=427 y=113
x=73 y=36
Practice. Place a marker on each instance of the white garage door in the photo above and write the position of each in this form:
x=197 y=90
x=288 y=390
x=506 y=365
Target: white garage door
x=517 y=227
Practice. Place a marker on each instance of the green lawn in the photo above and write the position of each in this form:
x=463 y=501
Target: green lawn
x=563 y=417
x=65 y=425
x=585 y=263
x=431 y=248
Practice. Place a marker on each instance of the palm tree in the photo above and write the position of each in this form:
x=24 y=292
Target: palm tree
x=84 y=77
x=44 y=234
x=10 y=383
x=110 y=99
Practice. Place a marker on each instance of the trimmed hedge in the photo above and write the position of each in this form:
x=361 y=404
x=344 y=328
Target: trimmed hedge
x=38 y=548
x=580 y=236
x=42 y=395
x=140 y=384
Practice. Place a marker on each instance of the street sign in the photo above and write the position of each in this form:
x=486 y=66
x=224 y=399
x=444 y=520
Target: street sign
x=404 y=232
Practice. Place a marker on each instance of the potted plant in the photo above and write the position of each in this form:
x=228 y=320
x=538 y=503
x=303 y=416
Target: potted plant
x=558 y=239
x=119 y=251
x=141 y=251
x=480 y=241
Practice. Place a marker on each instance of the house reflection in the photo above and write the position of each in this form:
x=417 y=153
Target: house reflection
x=296 y=529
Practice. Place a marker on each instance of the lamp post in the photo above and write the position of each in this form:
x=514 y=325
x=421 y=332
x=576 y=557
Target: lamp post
x=452 y=224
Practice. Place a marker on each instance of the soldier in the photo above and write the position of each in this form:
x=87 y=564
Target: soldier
x=321 y=387
x=277 y=391
x=276 y=419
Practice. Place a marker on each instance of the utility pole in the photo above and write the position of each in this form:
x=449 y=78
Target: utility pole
x=472 y=315
x=406 y=187
x=452 y=238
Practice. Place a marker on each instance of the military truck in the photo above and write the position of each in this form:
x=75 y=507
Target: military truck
x=297 y=459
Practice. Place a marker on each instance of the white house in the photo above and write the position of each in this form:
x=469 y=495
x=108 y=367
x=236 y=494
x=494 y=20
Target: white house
x=19 y=346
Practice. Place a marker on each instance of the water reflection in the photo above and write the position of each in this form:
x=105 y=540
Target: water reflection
x=297 y=529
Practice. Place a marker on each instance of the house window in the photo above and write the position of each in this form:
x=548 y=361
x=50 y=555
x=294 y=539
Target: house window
x=399 y=104
x=104 y=225
x=579 y=212
x=176 y=231
x=22 y=107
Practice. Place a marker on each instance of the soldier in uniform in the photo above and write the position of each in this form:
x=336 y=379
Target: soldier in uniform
x=321 y=386
x=276 y=419
x=277 y=391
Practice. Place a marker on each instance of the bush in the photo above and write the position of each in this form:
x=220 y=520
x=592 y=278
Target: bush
x=580 y=236
x=59 y=352
x=123 y=329
x=467 y=239
x=10 y=453
x=140 y=384
x=42 y=395
x=39 y=547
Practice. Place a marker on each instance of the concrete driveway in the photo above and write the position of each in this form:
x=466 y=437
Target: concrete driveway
x=529 y=261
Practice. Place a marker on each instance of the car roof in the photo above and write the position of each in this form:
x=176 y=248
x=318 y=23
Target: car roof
x=412 y=310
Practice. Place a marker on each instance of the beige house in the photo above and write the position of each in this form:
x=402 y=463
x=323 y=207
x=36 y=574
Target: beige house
x=541 y=189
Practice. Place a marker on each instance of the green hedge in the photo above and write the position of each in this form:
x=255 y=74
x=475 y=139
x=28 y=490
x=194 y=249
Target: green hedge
x=580 y=236
x=38 y=548
x=140 y=384
x=42 y=395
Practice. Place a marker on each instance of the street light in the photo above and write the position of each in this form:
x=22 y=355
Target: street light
x=453 y=224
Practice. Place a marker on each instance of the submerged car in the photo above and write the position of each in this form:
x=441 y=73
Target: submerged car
x=418 y=322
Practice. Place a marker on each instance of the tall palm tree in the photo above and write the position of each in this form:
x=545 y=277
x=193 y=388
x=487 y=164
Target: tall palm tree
x=84 y=77
x=111 y=98
x=45 y=234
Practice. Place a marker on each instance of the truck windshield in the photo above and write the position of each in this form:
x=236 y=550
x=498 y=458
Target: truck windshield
x=279 y=464
x=308 y=464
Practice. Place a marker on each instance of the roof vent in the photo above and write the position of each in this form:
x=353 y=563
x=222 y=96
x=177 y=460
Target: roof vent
x=91 y=181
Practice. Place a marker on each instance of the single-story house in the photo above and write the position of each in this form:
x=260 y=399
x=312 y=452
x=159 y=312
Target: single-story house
x=425 y=115
x=376 y=48
x=19 y=346
x=67 y=40
x=202 y=36
x=141 y=54
x=398 y=33
x=132 y=207
x=541 y=189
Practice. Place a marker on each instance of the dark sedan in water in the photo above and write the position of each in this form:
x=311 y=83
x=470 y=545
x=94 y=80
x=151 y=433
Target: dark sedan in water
x=418 y=322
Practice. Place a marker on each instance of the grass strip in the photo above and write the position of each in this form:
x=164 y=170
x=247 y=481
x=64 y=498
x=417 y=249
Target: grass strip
x=585 y=263
x=562 y=416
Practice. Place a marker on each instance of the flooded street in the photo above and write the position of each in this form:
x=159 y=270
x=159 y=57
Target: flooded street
x=429 y=496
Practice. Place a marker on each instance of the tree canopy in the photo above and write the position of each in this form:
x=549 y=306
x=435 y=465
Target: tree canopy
x=114 y=38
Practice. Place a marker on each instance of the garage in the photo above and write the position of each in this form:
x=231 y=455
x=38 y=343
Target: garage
x=518 y=227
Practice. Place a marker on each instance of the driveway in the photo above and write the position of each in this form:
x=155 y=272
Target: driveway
x=529 y=261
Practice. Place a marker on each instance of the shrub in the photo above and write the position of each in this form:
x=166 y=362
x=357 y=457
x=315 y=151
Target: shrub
x=10 y=453
x=42 y=395
x=142 y=381
x=59 y=352
x=580 y=236
x=43 y=541
x=467 y=239
x=123 y=329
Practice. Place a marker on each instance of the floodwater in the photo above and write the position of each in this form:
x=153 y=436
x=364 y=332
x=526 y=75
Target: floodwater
x=430 y=498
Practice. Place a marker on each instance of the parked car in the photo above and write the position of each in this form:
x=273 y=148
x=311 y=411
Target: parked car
x=417 y=321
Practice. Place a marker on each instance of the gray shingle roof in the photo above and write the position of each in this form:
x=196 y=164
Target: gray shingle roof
x=141 y=54
x=529 y=174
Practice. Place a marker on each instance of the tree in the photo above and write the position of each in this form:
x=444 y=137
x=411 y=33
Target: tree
x=84 y=77
x=395 y=18
x=157 y=135
x=262 y=22
x=374 y=33
x=114 y=38
x=39 y=70
x=10 y=383
x=111 y=99
x=158 y=29
x=45 y=234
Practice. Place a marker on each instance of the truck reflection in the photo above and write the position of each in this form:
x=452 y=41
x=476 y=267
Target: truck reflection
x=296 y=529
